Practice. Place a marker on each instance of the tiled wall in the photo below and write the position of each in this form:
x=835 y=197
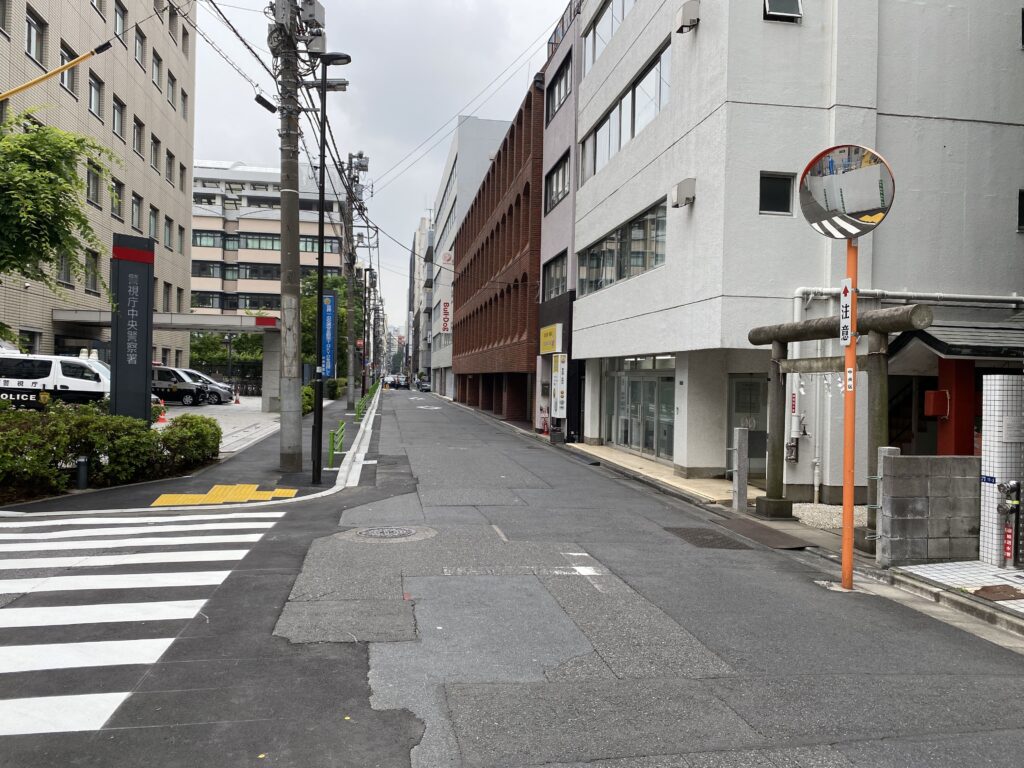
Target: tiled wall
x=1002 y=404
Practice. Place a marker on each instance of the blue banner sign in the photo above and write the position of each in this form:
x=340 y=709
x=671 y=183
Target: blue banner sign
x=329 y=334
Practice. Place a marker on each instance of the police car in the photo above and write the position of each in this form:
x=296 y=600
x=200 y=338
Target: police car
x=32 y=381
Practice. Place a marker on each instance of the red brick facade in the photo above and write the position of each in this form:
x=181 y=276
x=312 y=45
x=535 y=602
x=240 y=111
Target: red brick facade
x=497 y=273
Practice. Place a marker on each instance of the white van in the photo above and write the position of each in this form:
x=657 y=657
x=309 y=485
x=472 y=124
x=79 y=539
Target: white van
x=31 y=381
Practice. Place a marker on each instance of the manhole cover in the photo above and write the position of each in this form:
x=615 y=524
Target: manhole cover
x=707 y=538
x=387 y=532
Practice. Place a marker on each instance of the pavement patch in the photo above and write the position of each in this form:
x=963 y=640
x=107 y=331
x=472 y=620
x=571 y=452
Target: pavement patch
x=223 y=494
x=347 y=621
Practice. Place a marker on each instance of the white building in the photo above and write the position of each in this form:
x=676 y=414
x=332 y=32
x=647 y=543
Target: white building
x=421 y=298
x=469 y=157
x=741 y=103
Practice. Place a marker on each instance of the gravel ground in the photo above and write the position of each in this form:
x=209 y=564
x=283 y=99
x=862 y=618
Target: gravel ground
x=827 y=515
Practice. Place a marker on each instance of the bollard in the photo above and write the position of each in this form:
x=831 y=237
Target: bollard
x=82 y=473
x=740 y=469
x=330 y=449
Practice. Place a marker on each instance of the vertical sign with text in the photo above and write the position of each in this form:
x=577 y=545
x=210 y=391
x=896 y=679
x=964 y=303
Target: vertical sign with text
x=131 y=326
x=559 y=385
x=330 y=331
x=845 y=311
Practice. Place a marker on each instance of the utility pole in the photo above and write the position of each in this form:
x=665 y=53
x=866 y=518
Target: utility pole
x=350 y=278
x=282 y=43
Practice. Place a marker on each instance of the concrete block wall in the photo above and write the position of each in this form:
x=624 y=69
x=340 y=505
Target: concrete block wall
x=930 y=509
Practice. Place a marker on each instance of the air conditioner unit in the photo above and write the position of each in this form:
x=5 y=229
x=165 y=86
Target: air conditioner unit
x=688 y=16
x=684 y=193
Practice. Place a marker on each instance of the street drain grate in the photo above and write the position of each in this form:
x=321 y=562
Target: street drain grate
x=706 y=538
x=388 y=532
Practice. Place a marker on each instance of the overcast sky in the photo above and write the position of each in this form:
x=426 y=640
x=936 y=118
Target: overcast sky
x=415 y=65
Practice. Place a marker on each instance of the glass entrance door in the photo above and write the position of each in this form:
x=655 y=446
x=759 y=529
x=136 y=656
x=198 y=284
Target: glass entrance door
x=650 y=387
x=748 y=407
x=645 y=413
x=636 y=413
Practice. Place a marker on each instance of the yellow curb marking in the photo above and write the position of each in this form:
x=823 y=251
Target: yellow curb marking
x=223 y=494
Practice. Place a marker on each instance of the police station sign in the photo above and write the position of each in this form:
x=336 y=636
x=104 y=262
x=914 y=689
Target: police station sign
x=131 y=325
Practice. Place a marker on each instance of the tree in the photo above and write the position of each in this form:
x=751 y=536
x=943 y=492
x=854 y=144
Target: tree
x=43 y=216
x=209 y=348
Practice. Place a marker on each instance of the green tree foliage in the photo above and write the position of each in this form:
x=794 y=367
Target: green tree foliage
x=208 y=348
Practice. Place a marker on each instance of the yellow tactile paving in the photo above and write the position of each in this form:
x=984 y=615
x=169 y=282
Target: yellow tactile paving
x=223 y=494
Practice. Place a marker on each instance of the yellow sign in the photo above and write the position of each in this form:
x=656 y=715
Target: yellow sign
x=551 y=339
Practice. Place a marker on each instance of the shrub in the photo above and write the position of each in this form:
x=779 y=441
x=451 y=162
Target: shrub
x=33 y=447
x=191 y=440
x=119 y=449
x=335 y=387
x=307 y=399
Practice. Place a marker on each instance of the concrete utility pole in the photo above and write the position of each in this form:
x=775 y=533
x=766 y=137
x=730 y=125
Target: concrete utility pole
x=281 y=40
x=350 y=278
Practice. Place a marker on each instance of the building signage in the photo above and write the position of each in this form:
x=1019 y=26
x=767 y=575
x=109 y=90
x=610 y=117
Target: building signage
x=330 y=332
x=559 y=384
x=551 y=339
x=131 y=326
x=845 y=311
x=446 y=308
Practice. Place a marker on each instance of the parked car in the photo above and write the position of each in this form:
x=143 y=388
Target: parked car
x=423 y=385
x=174 y=384
x=217 y=391
x=401 y=382
x=30 y=381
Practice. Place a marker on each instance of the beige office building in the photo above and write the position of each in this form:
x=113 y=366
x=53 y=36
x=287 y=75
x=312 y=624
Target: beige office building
x=134 y=98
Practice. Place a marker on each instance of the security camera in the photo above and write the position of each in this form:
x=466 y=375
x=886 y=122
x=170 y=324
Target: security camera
x=27 y=285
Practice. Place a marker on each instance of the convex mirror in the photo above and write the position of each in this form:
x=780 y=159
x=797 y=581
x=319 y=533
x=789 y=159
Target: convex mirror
x=846 y=191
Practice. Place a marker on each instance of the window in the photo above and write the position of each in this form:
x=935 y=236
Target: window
x=184 y=41
x=168 y=233
x=555 y=277
x=140 y=48
x=648 y=96
x=154 y=222
x=99 y=5
x=783 y=10
x=3 y=14
x=207 y=239
x=259 y=241
x=158 y=70
x=92 y=272
x=120 y=20
x=92 y=185
x=181 y=241
x=559 y=87
x=626 y=252
x=259 y=301
x=117 y=199
x=169 y=167
x=1020 y=210
x=136 y=212
x=75 y=370
x=184 y=105
x=172 y=90
x=310 y=244
x=117 y=117
x=776 y=193
x=138 y=134
x=207 y=269
x=182 y=176
x=206 y=300
x=605 y=23
x=154 y=152
x=180 y=305
x=556 y=184
x=167 y=297
x=69 y=77
x=172 y=22
x=95 y=95
x=35 y=36
x=64 y=269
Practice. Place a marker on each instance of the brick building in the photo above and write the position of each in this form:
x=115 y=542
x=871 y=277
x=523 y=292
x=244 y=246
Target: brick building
x=497 y=273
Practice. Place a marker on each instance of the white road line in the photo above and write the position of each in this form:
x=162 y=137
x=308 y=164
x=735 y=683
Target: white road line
x=845 y=225
x=58 y=714
x=155 y=541
x=102 y=613
x=98 y=561
x=122 y=520
x=835 y=232
x=817 y=228
x=123 y=581
x=129 y=531
x=105 y=653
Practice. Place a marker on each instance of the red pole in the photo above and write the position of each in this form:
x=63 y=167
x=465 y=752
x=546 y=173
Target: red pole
x=850 y=419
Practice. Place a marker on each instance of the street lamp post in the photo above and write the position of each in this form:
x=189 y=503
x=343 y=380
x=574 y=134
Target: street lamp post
x=326 y=60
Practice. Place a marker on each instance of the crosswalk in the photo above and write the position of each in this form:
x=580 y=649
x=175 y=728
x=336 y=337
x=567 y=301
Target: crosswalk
x=62 y=577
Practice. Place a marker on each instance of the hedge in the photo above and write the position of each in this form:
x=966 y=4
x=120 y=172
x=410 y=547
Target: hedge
x=39 y=449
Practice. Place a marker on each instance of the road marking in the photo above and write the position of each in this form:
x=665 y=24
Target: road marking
x=122 y=520
x=130 y=531
x=98 y=561
x=105 y=653
x=58 y=714
x=224 y=494
x=154 y=541
x=102 y=613
x=832 y=230
x=845 y=225
x=120 y=581
x=501 y=535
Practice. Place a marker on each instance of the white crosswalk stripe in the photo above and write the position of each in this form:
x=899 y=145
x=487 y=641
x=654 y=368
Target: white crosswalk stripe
x=47 y=628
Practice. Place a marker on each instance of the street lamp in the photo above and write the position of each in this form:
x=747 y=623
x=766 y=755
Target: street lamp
x=324 y=85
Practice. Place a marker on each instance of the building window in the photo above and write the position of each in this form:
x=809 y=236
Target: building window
x=120 y=20
x=154 y=223
x=783 y=10
x=167 y=297
x=169 y=167
x=556 y=183
x=95 y=95
x=1020 y=210
x=606 y=21
x=168 y=233
x=626 y=252
x=69 y=77
x=172 y=22
x=117 y=199
x=648 y=96
x=212 y=269
x=555 y=277
x=776 y=193
x=559 y=87
x=35 y=35
x=184 y=41
x=92 y=272
x=158 y=70
x=207 y=238
x=117 y=117
x=3 y=14
x=140 y=48
x=206 y=300
x=180 y=305
x=184 y=105
x=138 y=134
x=99 y=5
x=259 y=241
x=64 y=269
x=181 y=240
x=182 y=176
x=172 y=90
x=136 y=212
x=154 y=152
x=92 y=185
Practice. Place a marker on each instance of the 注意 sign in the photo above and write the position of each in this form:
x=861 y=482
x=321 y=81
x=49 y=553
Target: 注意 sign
x=131 y=325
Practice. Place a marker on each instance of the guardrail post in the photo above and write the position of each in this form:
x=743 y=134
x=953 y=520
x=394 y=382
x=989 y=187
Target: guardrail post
x=330 y=449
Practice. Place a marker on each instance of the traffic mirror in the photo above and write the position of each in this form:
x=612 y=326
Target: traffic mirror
x=846 y=191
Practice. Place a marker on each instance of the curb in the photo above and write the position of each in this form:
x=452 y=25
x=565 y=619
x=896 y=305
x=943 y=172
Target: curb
x=985 y=610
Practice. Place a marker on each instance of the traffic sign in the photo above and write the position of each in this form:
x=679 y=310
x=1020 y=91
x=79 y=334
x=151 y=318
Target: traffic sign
x=845 y=311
